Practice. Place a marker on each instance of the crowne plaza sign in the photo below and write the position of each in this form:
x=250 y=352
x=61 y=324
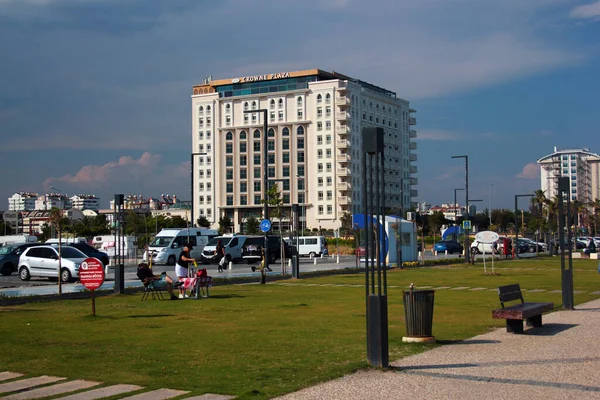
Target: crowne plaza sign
x=257 y=78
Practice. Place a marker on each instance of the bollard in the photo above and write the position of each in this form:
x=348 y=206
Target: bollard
x=230 y=265
x=446 y=253
x=337 y=259
x=435 y=253
x=315 y=261
x=289 y=263
x=321 y=255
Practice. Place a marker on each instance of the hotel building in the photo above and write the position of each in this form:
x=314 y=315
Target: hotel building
x=579 y=165
x=315 y=119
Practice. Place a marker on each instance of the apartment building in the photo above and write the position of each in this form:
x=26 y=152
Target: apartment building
x=314 y=124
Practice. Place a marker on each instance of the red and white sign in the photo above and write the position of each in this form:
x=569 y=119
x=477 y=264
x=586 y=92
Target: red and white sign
x=91 y=273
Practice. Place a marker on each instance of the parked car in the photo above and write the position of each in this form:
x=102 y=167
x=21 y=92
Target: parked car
x=9 y=256
x=252 y=249
x=92 y=252
x=478 y=247
x=43 y=261
x=452 y=246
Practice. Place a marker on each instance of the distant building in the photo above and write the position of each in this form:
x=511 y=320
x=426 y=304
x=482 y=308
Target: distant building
x=423 y=206
x=22 y=201
x=581 y=166
x=451 y=211
x=85 y=202
x=33 y=221
x=49 y=201
x=140 y=203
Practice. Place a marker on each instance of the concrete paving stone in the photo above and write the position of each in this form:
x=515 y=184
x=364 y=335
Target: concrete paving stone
x=595 y=293
x=478 y=288
x=555 y=291
x=28 y=383
x=424 y=287
x=102 y=392
x=536 y=290
x=460 y=288
x=6 y=375
x=159 y=394
x=441 y=287
x=53 y=390
x=210 y=396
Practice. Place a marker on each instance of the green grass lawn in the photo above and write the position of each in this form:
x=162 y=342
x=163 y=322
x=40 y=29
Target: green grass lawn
x=257 y=341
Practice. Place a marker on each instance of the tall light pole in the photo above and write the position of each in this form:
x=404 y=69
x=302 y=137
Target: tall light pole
x=490 y=203
x=193 y=222
x=516 y=246
x=455 y=213
x=304 y=202
x=466 y=157
x=265 y=181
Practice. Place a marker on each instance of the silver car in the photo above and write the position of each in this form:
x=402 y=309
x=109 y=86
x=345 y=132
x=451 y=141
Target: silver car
x=42 y=261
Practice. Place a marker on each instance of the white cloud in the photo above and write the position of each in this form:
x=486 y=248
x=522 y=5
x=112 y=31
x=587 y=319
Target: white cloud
x=530 y=171
x=586 y=11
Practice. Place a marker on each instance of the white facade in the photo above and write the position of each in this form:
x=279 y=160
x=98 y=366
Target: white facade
x=22 y=201
x=52 y=200
x=85 y=202
x=579 y=165
x=314 y=122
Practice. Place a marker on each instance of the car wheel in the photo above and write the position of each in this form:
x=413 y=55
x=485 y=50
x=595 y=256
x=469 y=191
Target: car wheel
x=171 y=260
x=312 y=254
x=24 y=274
x=65 y=275
x=7 y=269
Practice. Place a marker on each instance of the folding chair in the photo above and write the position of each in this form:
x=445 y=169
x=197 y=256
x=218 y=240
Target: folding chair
x=150 y=290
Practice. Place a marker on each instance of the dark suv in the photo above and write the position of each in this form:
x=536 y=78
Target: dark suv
x=251 y=251
x=91 y=252
x=9 y=256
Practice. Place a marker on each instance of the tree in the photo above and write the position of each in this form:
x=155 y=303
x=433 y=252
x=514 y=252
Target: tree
x=224 y=224
x=346 y=220
x=203 y=222
x=252 y=226
x=275 y=202
x=57 y=220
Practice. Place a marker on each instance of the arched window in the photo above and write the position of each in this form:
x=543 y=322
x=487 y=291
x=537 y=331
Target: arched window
x=245 y=106
x=243 y=135
x=371 y=105
x=300 y=130
x=254 y=105
x=280 y=103
x=229 y=136
x=319 y=99
x=227 y=108
x=200 y=110
x=383 y=108
x=285 y=132
x=257 y=134
x=271 y=132
x=377 y=106
x=207 y=108
x=272 y=103
x=327 y=98
x=299 y=101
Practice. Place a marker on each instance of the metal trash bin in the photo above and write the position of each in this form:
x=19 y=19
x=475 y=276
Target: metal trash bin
x=418 y=315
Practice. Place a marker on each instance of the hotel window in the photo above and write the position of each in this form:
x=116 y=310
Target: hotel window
x=319 y=112
x=271 y=172
x=201 y=187
x=243 y=173
x=243 y=187
x=319 y=167
x=272 y=116
x=280 y=103
x=328 y=111
x=208 y=121
x=328 y=125
x=229 y=173
x=271 y=132
x=256 y=134
x=243 y=135
x=245 y=118
x=364 y=116
x=201 y=173
x=285 y=158
x=229 y=187
x=329 y=209
x=327 y=98
x=227 y=120
x=286 y=198
x=319 y=139
x=300 y=114
x=300 y=171
x=200 y=121
x=319 y=99
x=271 y=159
x=272 y=105
x=328 y=153
x=208 y=161
x=209 y=212
x=254 y=105
x=227 y=108
x=329 y=195
x=229 y=148
x=229 y=161
x=286 y=171
x=257 y=159
x=257 y=199
x=328 y=139
x=208 y=137
x=301 y=198
x=229 y=200
x=208 y=109
x=319 y=154
x=285 y=144
x=320 y=210
x=243 y=147
x=285 y=132
x=319 y=126
x=300 y=143
x=201 y=199
x=200 y=110
x=256 y=145
x=257 y=172
x=208 y=189
x=243 y=200
x=271 y=145
x=300 y=130
x=280 y=115
x=299 y=101
x=319 y=181
x=300 y=157
x=257 y=186
x=254 y=118
x=328 y=167
x=208 y=173
x=320 y=195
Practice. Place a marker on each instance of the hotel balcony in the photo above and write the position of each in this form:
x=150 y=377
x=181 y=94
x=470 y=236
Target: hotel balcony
x=413 y=169
x=342 y=130
x=343 y=158
x=412 y=121
x=342 y=101
x=413 y=134
x=413 y=157
x=344 y=171
x=343 y=144
x=413 y=145
x=343 y=186
x=414 y=193
x=414 y=181
x=342 y=200
x=342 y=116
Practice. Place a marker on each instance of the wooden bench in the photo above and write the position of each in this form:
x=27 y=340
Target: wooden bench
x=515 y=314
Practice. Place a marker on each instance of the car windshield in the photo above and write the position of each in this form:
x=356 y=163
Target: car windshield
x=161 y=241
x=214 y=241
x=71 y=252
x=7 y=249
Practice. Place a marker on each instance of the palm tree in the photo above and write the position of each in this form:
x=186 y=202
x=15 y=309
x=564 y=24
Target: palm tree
x=596 y=208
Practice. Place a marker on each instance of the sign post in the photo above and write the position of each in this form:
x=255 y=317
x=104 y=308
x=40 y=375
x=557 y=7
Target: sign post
x=91 y=275
x=487 y=237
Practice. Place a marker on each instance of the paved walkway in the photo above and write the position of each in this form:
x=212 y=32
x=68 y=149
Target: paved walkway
x=560 y=360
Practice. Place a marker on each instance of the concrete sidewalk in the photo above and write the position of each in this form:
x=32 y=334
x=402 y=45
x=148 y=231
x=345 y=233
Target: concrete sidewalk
x=560 y=360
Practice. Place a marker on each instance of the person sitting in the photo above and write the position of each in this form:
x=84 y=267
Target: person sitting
x=182 y=268
x=158 y=281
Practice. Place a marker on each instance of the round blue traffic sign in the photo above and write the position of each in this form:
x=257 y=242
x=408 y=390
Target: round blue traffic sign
x=265 y=225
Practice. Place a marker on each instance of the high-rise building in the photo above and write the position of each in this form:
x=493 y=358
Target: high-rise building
x=315 y=119
x=579 y=165
x=85 y=202
x=22 y=201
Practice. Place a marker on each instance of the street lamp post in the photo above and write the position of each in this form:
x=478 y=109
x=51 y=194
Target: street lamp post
x=192 y=186
x=466 y=157
x=516 y=246
x=455 y=213
x=304 y=202
x=490 y=203
x=265 y=181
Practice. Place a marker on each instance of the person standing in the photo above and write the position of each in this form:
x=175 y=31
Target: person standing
x=220 y=255
x=182 y=268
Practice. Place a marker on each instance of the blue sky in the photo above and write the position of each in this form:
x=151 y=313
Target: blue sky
x=95 y=94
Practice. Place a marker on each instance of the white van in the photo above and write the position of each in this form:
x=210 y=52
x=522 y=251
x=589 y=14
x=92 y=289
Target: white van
x=233 y=248
x=4 y=240
x=67 y=240
x=312 y=246
x=106 y=243
x=167 y=245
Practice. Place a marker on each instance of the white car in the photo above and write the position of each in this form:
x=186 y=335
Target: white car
x=42 y=261
x=478 y=248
